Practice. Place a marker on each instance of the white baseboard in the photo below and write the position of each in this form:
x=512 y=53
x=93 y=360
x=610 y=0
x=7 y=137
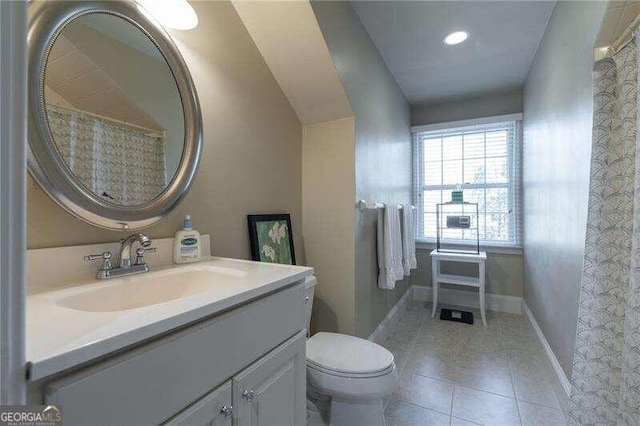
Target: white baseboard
x=469 y=299
x=389 y=321
x=564 y=381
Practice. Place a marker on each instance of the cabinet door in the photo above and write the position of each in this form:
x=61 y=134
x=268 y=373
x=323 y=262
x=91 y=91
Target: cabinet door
x=213 y=409
x=272 y=391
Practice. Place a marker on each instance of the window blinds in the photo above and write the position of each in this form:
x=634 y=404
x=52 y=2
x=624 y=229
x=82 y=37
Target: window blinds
x=485 y=161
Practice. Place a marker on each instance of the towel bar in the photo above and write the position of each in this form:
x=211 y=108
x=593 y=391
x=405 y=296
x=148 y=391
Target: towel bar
x=368 y=205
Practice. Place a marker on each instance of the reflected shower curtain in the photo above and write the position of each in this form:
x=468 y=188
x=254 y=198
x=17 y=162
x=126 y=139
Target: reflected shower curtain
x=605 y=383
x=119 y=164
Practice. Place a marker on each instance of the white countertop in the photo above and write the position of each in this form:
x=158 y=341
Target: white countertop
x=60 y=337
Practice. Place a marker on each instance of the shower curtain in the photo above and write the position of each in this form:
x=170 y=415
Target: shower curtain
x=605 y=383
x=119 y=164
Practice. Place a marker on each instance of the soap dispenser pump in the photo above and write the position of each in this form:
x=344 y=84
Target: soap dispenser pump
x=186 y=245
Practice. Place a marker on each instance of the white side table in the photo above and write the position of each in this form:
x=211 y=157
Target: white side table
x=438 y=277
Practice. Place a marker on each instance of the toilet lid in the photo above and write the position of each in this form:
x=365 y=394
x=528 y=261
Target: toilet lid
x=347 y=354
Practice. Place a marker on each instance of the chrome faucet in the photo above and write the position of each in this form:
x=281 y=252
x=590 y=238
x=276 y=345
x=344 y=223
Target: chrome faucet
x=125 y=267
x=125 y=247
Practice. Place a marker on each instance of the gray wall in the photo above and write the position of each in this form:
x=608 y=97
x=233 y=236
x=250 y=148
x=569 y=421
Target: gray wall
x=488 y=105
x=503 y=273
x=252 y=153
x=557 y=148
x=383 y=147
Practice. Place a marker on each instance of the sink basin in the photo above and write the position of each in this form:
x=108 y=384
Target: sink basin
x=152 y=288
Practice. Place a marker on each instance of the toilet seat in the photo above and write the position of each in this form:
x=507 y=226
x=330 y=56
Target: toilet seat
x=321 y=369
x=347 y=356
x=352 y=388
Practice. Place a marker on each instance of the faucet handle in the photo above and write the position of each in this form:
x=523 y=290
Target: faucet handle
x=140 y=254
x=106 y=260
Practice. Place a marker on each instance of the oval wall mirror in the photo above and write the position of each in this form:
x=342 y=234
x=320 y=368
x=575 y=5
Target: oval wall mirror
x=115 y=131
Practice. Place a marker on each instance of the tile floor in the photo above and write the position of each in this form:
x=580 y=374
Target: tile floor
x=460 y=374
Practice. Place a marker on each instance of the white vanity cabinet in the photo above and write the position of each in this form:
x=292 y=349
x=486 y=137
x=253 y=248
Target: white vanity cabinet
x=242 y=367
x=271 y=392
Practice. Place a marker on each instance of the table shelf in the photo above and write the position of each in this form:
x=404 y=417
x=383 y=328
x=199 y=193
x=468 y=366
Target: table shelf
x=477 y=282
x=459 y=279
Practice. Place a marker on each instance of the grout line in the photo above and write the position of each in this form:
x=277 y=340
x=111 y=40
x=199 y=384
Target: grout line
x=519 y=413
x=465 y=420
x=500 y=324
x=424 y=408
x=439 y=379
x=409 y=350
x=453 y=393
x=423 y=324
x=467 y=386
x=384 y=408
x=513 y=384
x=413 y=345
x=519 y=400
x=539 y=404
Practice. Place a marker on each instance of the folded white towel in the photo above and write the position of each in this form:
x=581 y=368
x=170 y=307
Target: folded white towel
x=389 y=247
x=408 y=239
x=382 y=264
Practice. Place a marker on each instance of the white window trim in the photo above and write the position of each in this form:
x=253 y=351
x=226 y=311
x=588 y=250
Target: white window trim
x=489 y=247
x=465 y=123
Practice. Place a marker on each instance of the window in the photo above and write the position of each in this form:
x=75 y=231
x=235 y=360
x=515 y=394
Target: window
x=484 y=161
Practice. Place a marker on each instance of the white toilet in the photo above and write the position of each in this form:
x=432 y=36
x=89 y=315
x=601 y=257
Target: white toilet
x=355 y=374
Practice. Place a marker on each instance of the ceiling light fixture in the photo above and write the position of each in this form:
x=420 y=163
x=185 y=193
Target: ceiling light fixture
x=456 y=37
x=176 y=14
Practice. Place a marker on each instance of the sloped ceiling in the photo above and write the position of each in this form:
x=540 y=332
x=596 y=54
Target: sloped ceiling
x=291 y=43
x=77 y=82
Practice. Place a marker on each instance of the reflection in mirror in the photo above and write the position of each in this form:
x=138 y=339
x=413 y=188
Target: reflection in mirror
x=114 y=109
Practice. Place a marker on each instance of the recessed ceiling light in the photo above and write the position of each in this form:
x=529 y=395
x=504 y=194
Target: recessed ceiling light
x=176 y=14
x=456 y=37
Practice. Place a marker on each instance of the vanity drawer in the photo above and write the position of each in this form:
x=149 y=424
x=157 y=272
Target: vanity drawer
x=149 y=384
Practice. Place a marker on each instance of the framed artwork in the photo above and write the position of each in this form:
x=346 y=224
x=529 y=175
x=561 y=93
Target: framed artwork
x=271 y=238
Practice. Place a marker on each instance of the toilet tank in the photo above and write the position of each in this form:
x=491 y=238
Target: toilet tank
x=309 y=286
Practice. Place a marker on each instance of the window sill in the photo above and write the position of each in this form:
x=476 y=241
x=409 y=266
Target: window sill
x=507 y=250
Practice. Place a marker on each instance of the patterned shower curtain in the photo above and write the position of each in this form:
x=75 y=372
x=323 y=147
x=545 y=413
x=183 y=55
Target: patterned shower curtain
x=118 y=163
x=605 y=384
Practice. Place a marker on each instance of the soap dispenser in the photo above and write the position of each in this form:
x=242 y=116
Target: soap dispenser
x=186 y=245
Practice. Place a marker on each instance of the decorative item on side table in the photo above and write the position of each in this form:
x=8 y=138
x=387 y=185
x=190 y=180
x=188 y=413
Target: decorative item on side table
x=457 y=226
x=271 y=238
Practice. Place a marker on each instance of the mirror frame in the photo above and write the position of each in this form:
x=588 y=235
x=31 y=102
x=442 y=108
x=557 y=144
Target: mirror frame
x=47 y=19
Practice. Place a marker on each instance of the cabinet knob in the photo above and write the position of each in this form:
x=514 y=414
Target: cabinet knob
x=227 y=411
x=306 y=299
x=248 y=395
